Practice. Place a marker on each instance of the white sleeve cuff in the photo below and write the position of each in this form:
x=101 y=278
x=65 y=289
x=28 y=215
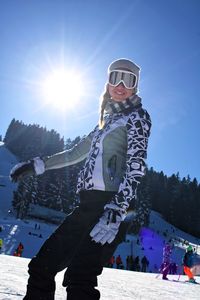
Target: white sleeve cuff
x=39 y=166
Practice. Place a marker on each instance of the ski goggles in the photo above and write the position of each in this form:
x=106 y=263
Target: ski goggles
x=128 y=78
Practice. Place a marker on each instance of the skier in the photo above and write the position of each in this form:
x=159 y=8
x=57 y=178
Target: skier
x=137 y=264
x=128 y=262
x=188 y=261
x=131 y=263
x=119 y=262
x=167 y=250
x=116 y=152
x=20 y=249
x=111 y=262
x=145 y=263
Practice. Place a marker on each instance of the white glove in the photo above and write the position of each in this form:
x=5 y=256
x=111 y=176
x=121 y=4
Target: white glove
x=108 y=226
x=34 y=166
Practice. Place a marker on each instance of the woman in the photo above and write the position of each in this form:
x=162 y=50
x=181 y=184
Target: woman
x=115 y=152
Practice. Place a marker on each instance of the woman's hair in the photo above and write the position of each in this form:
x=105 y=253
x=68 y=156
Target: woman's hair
x=105 y=96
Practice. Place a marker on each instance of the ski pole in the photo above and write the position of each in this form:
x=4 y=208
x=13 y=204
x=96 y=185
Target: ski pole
x=179 y=274
x=160 y=272
x=158 y=275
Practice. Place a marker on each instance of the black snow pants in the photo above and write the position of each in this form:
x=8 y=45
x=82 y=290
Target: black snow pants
x=71 y=247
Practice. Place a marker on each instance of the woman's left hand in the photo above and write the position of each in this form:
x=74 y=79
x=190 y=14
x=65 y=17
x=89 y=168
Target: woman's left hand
x=108 y=226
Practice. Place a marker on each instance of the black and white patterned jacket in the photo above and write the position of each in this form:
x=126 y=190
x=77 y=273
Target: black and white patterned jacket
x=115 y=155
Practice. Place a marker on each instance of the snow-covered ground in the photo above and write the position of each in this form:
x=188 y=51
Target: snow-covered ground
x=113 y=284
x=118 y=284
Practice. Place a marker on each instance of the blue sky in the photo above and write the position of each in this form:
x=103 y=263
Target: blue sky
x=163 y=37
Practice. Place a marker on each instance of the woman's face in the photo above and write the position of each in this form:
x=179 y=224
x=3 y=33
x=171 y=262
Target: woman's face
x=120 y=92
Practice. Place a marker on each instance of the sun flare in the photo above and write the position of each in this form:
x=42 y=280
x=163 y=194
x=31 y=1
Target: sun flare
x=63 y=89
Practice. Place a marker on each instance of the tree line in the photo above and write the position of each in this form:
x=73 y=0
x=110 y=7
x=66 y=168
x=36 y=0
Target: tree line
x=176 y=199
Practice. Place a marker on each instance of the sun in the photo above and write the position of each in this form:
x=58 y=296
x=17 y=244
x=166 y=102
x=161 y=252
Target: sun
x=63 y=89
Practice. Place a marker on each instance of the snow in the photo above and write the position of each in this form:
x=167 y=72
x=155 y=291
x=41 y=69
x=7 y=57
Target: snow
x=7 y=161
x=115 y=284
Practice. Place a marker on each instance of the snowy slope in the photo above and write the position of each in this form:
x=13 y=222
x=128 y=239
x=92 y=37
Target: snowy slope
x=113 y=284
x=151 y=243
x=7 y=161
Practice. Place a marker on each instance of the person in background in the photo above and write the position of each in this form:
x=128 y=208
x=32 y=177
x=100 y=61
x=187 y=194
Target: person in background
x=119 y=262
x=188 y=261
x=1 y=244
x=111 y=261
x=128 y=262
x=137 y=264
x=115 y=153
x=131 y=263
x=20 y=249
x=145 y=264
x=167 y=251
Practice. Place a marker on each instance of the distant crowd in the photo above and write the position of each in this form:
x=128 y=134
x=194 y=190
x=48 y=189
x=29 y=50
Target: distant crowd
x=132 y=264
x=167 y=266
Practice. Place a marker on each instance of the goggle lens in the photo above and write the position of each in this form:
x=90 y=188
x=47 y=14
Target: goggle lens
x=127 y=78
